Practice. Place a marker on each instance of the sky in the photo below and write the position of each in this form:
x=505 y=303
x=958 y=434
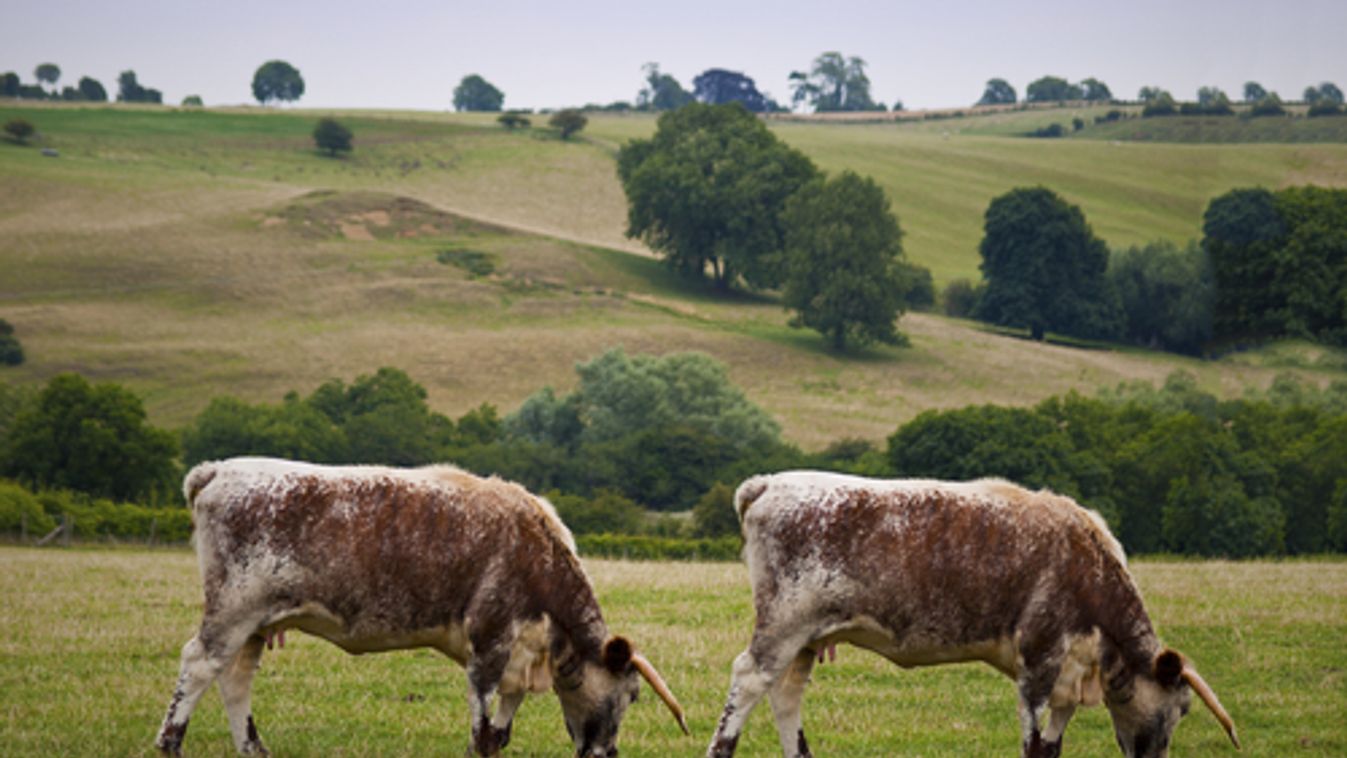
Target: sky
x=928 y=54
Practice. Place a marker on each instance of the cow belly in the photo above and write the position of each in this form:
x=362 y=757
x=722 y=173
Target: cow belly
x=320 y=621
x=912 y=651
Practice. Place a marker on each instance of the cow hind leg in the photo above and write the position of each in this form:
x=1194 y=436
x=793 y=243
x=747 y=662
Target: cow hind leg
x=786 y=696
x=236 y=688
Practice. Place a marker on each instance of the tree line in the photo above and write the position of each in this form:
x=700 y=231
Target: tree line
x=1324 y=98
x=88 y=89
x=1173 y=469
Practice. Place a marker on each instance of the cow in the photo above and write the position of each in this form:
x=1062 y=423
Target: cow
x=926 y=572
x=373 y=559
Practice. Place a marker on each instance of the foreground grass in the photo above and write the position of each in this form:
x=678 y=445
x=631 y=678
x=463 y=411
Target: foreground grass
x=89 y=642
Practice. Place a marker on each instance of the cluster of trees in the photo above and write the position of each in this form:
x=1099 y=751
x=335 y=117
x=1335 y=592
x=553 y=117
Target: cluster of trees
x=1324 y=100
x=47 y=75
x=1269 y=265
x=716 y=193
x=1047 y=89
x=833 y=83
x=1173 y=469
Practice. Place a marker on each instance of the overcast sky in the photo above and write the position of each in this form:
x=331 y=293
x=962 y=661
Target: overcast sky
x=929 y=54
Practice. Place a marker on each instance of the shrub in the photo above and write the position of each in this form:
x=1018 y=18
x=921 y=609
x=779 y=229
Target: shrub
x=474 y=262
x=1325 y=108
x=514 y=120
x=19 y=130
x=961 y=298
x=1049 y=131
x=568 y=122
x=331 y=136
x=11 y=352
x=19 y=510
x=646 y=548
x=713 y=515
x=1270 y=105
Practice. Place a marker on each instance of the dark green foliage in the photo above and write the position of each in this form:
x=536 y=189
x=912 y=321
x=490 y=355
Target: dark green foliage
x=474 y=93
x=647 y=548
x=92 y=90
x=474 y=262
x=129 y=90
x=662 y=92
x=1077 y=124
x=11 y=352
x=32 y=92
x=93 y=518
x=1253 y=92
x=1044 y=268
x=331 y=136
x=843 y=249
x=1052 y=88
x=568 y=122
x=707 y=191
x=998 y=92
x=713 y=515
x=961 y=298
x=513 y=120
x=1095 y=91
x=1013 y=443
x=1161 y=104
x=93 y=439
x=1329 y=92
x=919 y=286
x=1325 y=108
x=1280 y=264
x=277 y=81
x=19 y=130
x=834 y=83
x=9 y=84
x=192 y=101
x=606 y=513
x=717 y=86
x=1049 y=131
x=1166 y=294
x=48 y=73
x=1268 y=105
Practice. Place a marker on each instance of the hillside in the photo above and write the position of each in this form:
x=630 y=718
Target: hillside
x=189 y=254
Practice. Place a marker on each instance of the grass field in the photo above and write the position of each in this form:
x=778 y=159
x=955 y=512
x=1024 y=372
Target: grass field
x=89 y=641
x=186 y=255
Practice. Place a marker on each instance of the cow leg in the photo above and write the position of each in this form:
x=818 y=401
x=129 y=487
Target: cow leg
x=755 y=671
x=204 y=657
x=484 y=674
x=506 y=707
x=786 y=697
x=1052 y=736
x=236 y=688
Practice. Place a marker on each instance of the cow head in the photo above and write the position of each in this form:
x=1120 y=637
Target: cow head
x=1147 y=707
x=595 y=695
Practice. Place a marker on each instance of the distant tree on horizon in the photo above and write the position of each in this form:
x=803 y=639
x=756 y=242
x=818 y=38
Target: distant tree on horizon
x=568 y=122
x=192 y=101
x=998 y=92
x=92 y=90
x=1326 y=91
x=1094 y=90
x=1253 y=92
x=662 y=92
x=1049 y=89
x=717 y=86
x=277 y=80
x=514 y=120
x=49 y=74
x=331 y=136
x=9 y=84
x=474 y=93
x=834 y=83
x=130 y=91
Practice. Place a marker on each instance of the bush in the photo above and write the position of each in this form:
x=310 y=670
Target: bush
x=11 y=352
x=474 y=262
x=1049 y=131
x=1270 y=105
x=607 y=513
x=713 y=515
x=1325 y=108
x=19 y=130
x=568 y=122
x=513 y=120
x=1161 y=105
x=645 y=548
x=331 y=136
x=20 y=509
x=93 y=518
x=961 y=298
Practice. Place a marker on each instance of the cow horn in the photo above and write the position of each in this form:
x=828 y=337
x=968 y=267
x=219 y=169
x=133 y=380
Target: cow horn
x=1204 y=691
x=657 y=684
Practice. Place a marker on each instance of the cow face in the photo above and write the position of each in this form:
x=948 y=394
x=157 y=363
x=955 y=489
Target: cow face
x=595 y=696
x=1146 y=710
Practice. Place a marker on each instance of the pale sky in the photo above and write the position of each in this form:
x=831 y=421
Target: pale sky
x=929 y=54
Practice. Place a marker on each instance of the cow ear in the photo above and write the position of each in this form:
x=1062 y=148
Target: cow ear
x=617 y=655
x=1168 y=668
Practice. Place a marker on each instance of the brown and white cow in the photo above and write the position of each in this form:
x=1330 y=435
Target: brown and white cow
x=927 y=572
x=376 y=559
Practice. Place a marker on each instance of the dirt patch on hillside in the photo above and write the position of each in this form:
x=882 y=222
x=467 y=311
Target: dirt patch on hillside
x=366 y=216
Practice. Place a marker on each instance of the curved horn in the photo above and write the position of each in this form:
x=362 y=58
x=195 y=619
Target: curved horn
x=1204 y=691
x=657 y=684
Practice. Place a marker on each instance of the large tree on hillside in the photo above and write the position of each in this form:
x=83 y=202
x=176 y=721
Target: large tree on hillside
x=92 y=90
x=1050 y=89
x=1095 y=91
x=474 y=93
x=706 y=191
x=129 y=90
x=277 y=80
x=998 y=92
x=1044 y=268
x=662 y=92
x=48 y=74
x=717 y=86
x=1253 y=92
x=834 y=83
x=843 y=250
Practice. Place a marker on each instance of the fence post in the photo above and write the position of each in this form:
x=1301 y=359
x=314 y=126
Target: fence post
x=68 y=526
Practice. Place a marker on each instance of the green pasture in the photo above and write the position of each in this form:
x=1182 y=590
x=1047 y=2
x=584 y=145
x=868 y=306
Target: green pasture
x=89 y=642
x=193 y=253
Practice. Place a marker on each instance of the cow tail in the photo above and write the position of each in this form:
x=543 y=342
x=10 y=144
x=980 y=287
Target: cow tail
x=195 y=481
x=747 y=494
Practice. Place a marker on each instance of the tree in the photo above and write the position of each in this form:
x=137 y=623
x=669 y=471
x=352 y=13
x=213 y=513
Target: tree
x=49 y=74
x=717 y=86
x=1311 y=94
x=1270 y=105
x=514 y=120
x=130 y=91
x=1051 y=89
x=9 y=84
x=1330 y=92
x=1150 y=94
x=1044 y=268
x=92 y=90
x=843 y=247
x=707 y=190
x=92 y=439
x=998 y=92
x=713 y=515
x=1160 y=104
x=331 y=136
x=1253 y=92
x=474 y=93
x=662 y=92
x=277 y=80
x=834 y=83
x=568 y=122
x=19 y=130
x=1166 y=294
x=192 y=101
x=11 y=352
x=1242 y=231
x=1212 y=101
x=1095 y=91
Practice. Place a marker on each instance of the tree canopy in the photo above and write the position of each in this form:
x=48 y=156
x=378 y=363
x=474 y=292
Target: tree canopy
x=834 y=83
x=717 y=86
x=331 y=136
x=92 y=90
x=130 y=91
x=474 y=93
x=843 y=246
x=998 y=92
x=1253 y=92
x=707 y=190
x=1052 y=88
x=1094 y=90
x=48 y=73
x=277 y=80
x=662 y=92
x=568 y=122
x=1044 y=267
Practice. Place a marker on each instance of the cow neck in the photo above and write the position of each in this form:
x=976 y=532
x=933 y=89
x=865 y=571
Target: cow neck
x=568 y=598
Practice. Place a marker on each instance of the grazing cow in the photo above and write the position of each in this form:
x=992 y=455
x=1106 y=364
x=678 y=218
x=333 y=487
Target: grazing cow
x=926 y=572
x=374 y=559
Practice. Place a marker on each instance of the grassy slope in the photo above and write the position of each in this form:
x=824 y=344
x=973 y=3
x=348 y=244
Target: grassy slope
x=151 y=253
x=76 y=650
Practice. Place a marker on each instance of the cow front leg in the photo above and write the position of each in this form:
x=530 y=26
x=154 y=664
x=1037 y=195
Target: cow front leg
x=507 y=704
x=755 y=671
x=236 y=688
x=484 y=675
x=786 y=697
x=204 y=657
